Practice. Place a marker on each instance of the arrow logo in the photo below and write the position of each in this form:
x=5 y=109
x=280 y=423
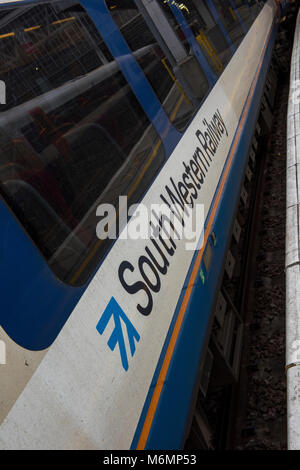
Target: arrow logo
x=114 y=310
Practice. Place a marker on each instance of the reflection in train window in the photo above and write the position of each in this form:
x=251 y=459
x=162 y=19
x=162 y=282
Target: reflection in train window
x=165 y=5
x=235 y=17
x=156 y=66
x=207 y=33
x=231 y=21
x=218 y=26
x=205 y=30
x=72 y=135
x=244 y=7
x=211 y=37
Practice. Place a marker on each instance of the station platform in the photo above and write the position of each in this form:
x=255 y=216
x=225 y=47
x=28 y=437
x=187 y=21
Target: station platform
x=292 y=260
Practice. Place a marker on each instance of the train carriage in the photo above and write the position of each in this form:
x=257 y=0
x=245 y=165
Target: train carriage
x=113 y=105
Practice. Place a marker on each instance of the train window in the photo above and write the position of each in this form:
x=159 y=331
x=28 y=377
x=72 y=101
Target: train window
x=231 y=21
x=165 y=4
x=246 y=10
x=218 y=25
x=72 y=134
x=155 y=65
x=206 y=30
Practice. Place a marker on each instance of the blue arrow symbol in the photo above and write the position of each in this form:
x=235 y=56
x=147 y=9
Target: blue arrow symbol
x=114 y=310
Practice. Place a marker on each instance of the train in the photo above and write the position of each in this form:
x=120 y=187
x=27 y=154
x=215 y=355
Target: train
x=111 y=107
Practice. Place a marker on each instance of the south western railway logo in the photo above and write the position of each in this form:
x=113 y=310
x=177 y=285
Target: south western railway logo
x=181 y=198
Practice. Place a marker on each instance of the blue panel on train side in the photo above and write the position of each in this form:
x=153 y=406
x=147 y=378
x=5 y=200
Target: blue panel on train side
x=34 y=304
x=174 y=408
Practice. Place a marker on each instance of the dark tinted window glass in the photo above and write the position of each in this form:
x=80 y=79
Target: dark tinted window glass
x=208 y=33
x=154 y=64
x=230 y=20
x=206 y=30
x=248 y=10
x=220 y=28
x=72 y=134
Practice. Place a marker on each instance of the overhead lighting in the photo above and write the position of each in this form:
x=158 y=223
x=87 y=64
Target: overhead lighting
x=64 y=20
x=7 y=35
x=32 y=28
x=181 y=6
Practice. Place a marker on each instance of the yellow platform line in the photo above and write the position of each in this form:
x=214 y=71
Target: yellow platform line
x=204 y=41
x=174 y=80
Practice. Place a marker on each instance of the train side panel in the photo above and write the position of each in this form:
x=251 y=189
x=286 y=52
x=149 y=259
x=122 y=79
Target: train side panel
x=89 y=391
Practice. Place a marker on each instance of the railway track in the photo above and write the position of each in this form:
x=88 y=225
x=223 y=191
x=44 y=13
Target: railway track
x=261 y=422
x=258 y=402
